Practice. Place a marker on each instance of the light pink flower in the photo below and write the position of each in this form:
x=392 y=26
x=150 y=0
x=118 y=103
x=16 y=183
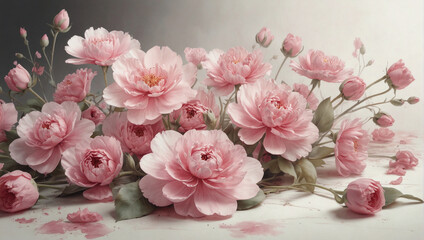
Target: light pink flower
x=264 y=37
x=75 y=86
x=195 y=55
x=17 y=191
x=61 y=20
x=397 y=181
x=274 y=110
x=351 y=148
x=304 y=90
x=45 y=135
x=292 y=45
x=150 y=84
x=18 y=78
x=365 y=196
x=94 y=114
x=99 y=47
x=399 y=75
x=316 y=65
x=84 y=216
x=135 y=139
x=190 y=115
x=44 y=41
x=37 y=69
x=8 y=117
x=23 y=32
x=382 y=135
x=383 y=120
x=357 y=44
x=235 y=67
x=353 y=88
x=200 y=172
x=405 y=160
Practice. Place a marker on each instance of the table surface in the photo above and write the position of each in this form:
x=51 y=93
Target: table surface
x=292 y=214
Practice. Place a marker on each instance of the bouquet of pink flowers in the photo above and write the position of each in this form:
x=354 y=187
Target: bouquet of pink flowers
x=159 y=136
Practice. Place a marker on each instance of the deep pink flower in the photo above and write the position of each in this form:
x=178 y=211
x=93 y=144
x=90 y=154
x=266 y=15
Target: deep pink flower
x=195 y=55
x=304 y=90
x=8 y=117
x=61 y=20
x=399 y=75
x=200 y=172
x=18 y=78
x=382 y=135
x=94 y=114
x=351 y=148
x=75 y=86
x=292 y=45
x=84 y=216
x=353 y=88
x=235 y=67
x=365 y=196
x=264 y=37
x=135 y=139
x=316 y=65
x=99 y=47
x=274 y=110
x=357 y=44
x=383 y=120
x=150 y=84
x=45 y=135
x=190 y=115
x=17 y=191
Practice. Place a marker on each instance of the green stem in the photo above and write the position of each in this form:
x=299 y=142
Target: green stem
x=47 y=59
x=221 y=118
x=29 y=51
x=105 y=68
x=377 y=81
x=38 y=96
x=48 y=186
x=369 y=105
x=338 y=104
x=324 y=143
x=382 y=156
x=339 y=96
x=53 y=47
x=130 y=173
x=279 y=69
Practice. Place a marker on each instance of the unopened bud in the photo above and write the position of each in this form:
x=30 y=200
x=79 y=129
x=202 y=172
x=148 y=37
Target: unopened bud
x=370 y=62
x=23 y=32
x=362 y=49
x=19 y=55
x=413 y=100
x=209 y=119
x=397 y=102
x=44 y=42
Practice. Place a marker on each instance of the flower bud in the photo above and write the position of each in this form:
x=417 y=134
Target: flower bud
x=353 y=88
x=209 y=119
x=413 y=100
x=19 y=55
x=23 y=32
x=44 y=42
x=18 y=78
x=399 y=75
x=292 y=46
x=397 y=102
x=383 y=119
x=370 y=62
x=365 y=196
x=61 y=20
x=264 y=37
x=362 y=49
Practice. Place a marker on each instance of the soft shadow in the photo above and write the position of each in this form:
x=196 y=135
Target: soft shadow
x=346 y=214
x=401 y=204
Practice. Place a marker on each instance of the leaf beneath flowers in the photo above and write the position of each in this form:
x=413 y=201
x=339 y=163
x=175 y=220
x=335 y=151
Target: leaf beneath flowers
x=253 y=202
x=324 y=116
x=306 y=173
x=286 y=167
x=391 y=194
x=320 y=152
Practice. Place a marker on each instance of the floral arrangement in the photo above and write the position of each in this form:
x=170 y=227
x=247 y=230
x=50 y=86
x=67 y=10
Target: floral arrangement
x=158 y=136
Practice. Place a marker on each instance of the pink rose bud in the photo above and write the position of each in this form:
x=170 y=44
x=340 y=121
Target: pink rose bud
x=61 y=20
x=404 y=160
x=365 y=196
x=383 y=119
x=399 y=75
x=353 y=88
x=264 y=37
x=18 y=78
x=413 y=100
x=17 y=191
x=94 y=114
x=23 y=32
x=44 y=42
x=292 y=45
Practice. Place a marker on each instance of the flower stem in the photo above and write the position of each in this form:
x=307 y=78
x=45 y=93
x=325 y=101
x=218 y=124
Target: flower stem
x=339 y=96
x=38 y=96
x=225 y=108
x=279 y=69
x=105 y=68
x=29 y=51
x=369 y=105
x=377 y=81
x=48 y=186
x=53 y=47
x=130 y=173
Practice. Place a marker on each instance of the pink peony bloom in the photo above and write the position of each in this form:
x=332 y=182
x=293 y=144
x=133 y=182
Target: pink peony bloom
x=61 y=20
x=365 y=196
x=45 y=135
x=264 y=37
x=304 y=90
x=292 y=45
x=399 y=75
x=75 y=86
x=201 y=172
x=382 y=135
x=357 y=44
x=383 y=120
x=99 y=47
x=353 y=88
x=195 y=55
x=37 y=69
x=351 y=148
x=397 y=181
x=18 y=78
x=94 y=114
x=405 y=160
x=235 y=67
x=23 y=32
x=150 y=84
x=190 y=115
x=17 y=191
x=8 y=117
x=316 y=65
x=84 y=216
x=135 y=139
x=274 y=110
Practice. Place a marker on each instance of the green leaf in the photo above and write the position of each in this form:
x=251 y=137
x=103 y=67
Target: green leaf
x=251 y=203
x=34 y=104
x=286 y=167
x=272 y=166
x=317 y=162
x=391 y=194
x=130 y=203
x=324 y=116
x=11 y=135
x=320 y=152
x=306 y=172
x=129 y=163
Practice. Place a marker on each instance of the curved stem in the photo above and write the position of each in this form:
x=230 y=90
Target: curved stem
x=53 y=47
x=339 y=96
x=225 y=108
x=338 y=104
x=105 y=68
x=38 y=96
x=324 y=143
x=377 y=81
x=29 y=51
x=279 y=69
x=48 y=186
x=369 y=105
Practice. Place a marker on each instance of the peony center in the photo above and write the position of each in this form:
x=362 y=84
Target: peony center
x=151 y=80
x=96 y=158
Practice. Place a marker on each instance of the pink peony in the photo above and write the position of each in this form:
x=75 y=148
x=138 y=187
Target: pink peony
x=365 y=196
x=353 y=88
x=150 y=84
x=405 y=160
x=84 y=216
x=264 y=37
x=61 y=20
x=17 y=191
x=8 y=117
x=200 y=172
x=99 y=47
x=292 y=45
x=304 y=90
x=383 y=120
x=18 y=78
x=399 y=75
x=351 y=148
x=195 y=55
x=75 y=86
x=236 y=66
x=382 y=135
x=357 y=44
x=190 y=115
x=274 y=110
x=316 y=65
x=94 y=114
x=135 y=139
x=45 y=135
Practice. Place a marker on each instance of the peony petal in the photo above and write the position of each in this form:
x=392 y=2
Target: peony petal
x=99 y=193
x=50 y=164
x=154 y=166
x=116 y=96
x=187 y=208
x=251 y=136
x=152 y=190
x=274 y=144
x=209 y=202
x=177 y=191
